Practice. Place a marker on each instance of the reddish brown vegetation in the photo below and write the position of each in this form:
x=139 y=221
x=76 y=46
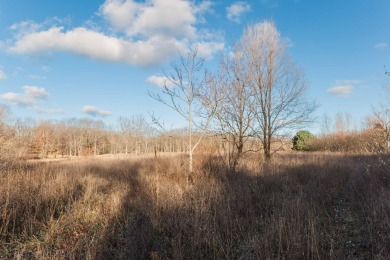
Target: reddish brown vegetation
x=298 y=206
x=366 y=141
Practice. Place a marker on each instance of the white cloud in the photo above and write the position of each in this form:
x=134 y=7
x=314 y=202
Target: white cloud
x=206 y=49
x=25 y=27
x=345 y=87
x=154 y=16
x=95 y=112
x=29 y=26
x=31 y=96
x=380 y=45
x=2 y=75
x=121 y=14
x=341 y=91
x=144 y=53
x=202 y=8
x=236 y=10
x=145 y=33
x=159 y=81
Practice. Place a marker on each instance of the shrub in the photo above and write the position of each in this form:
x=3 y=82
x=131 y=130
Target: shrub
x=300 y=139
x=366 y=141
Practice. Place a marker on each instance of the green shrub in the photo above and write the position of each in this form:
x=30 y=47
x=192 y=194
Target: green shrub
x=300 y=139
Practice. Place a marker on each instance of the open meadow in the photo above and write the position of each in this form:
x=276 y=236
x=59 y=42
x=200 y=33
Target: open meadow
x=297 y=206
x=194 y=129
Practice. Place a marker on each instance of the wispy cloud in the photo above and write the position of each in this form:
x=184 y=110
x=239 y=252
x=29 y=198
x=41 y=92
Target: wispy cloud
x=207 y=49
x=344 y=88
x=381 y=45
x=142 y=34
x=159 y=81
x=236 y=10
x=95 y=112
x=2 y=75
x=341 y=91
x=31 y=96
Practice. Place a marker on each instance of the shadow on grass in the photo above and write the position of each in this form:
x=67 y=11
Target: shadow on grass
x=316 y=207
x=129 y=233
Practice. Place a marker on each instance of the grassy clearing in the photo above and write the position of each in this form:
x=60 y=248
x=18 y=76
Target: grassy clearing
x=300 y=206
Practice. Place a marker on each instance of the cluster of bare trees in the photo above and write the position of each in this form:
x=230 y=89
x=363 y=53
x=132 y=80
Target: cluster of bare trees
x=27 y=138
x=265 y=91
x=341 y=124
x=252 y=102
x=257 y=94
x=379 y=120
x=345 y=135
x=342 y=134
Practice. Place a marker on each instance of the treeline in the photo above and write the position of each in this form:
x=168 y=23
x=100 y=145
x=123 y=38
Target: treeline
x=31 y=139
x=27 y=138
x=340 y=136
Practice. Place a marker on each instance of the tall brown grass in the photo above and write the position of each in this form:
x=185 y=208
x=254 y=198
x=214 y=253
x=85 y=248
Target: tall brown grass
x=299 y=206
x=367 y=141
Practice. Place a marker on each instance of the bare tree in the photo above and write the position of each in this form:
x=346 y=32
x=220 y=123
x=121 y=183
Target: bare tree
x=235 y=111
x=183 y=91
x=2 y=123
x=343 y=123
x=348 y=122
x=4 y=133
x=380 y=121
x=43 y=143
x=136 y=129
x=141 y=130
x=278 y=84
x=126 y=129
x=326 y=124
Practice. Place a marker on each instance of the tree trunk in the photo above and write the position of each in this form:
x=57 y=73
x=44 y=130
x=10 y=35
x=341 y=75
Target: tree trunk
x=95 y=146
x=190 y=162
x=267 y=149
x=237 y=156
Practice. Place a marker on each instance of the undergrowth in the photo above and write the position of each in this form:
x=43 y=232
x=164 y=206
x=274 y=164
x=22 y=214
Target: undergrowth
x=299 y=206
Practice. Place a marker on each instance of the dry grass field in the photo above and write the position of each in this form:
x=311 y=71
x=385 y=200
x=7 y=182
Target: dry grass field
x=299 y=206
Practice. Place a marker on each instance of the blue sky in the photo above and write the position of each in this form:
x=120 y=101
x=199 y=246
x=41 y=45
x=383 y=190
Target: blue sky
x=98 y=59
